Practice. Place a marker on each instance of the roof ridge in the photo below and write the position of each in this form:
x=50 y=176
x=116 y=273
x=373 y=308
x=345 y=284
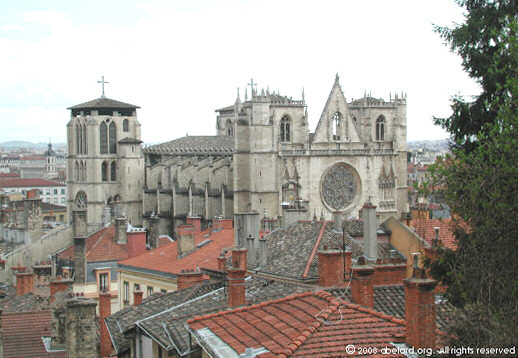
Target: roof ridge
x=315 y=248
x=376 y=313
x=334 y=304
x=246 y=308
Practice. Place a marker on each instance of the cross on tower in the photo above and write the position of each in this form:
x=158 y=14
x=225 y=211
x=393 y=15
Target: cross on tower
x=102 y=82
x=252 y=84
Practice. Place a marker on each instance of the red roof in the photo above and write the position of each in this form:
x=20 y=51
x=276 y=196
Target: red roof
x=22 y=333
x=425 y=228
x=9 y=175
x=164 y=259
x=27 y=182
x=101 y=246
x=312 y=324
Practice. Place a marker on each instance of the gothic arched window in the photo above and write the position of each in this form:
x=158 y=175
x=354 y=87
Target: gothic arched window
x=80 y=200
x=83 y=128
x=113 y=138
x=380 y=128
x=104 y=171
x=125 y=125
x=230 y=128
x=113 y=171
x=285 y=129
x=79 y=138
x=76 y=171
x=103 y=135
x=337 y=121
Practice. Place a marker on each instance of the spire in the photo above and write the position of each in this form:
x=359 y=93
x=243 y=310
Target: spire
x=238 y=100
x=246 y=94
x=337 y=78
x=303 y=96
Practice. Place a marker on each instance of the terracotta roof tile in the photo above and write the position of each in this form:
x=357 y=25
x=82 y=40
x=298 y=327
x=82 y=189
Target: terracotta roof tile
x=22 y=333
x=165 y=258
x=303 y=325
x=425 y=228
x=27 y=182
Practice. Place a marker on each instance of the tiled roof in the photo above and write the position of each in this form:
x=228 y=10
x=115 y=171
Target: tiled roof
x=292 y=251
x=425 y=228
x=195 y=145
x=390 y=299
x=103 y=102
x=163 y=317
x=165 y=258
x=22 y=333
x=312 y=324
x=101 y=246
x=27 y=182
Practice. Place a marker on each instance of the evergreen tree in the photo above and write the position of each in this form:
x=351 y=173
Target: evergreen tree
x=480 y=179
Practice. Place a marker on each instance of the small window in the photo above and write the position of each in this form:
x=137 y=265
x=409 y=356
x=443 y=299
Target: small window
x=63 y=200
x=337 y=122
x=104 y=171
x=380 y=128
x=113 y=171
x=125 y=125
x=103 y=282
x=63 y=191
x=149 y=290
x=136 y=287
x=55 y=191
x=55 y=200
x=163 y=290
x=126 y=292
x=285 y=129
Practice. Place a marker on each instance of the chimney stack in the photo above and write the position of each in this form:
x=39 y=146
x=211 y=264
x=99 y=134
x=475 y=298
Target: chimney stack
x=370 y=238
x=195 y=221
x=106 y=216
x=153 y=232
x=80 y=233
x=250 y=246
x=222 y=262
x=33 y=216
x=105 y=303
x=330 y=267
x=59 y=290
x=338 y=219
x=362 y=285
x=136 y=242
x=420 y=310
x=188 y=278
x=24 y=283
x=239 y=258
x=262 y=252
x=236 y=278
x=137 y=297
x=81 y=328
x=185 y=239
x=121 y=228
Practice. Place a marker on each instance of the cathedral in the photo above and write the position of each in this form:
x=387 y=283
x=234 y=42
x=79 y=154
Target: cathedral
x=263 y=159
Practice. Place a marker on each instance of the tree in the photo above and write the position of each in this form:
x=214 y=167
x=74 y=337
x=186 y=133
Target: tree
x=480 y=179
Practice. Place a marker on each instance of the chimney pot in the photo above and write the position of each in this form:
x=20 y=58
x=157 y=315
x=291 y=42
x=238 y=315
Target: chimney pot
x=236 y=287
x=105 y=304
x=185 y=241
x=362 y=285
x=121 y=228
x=262 y=252
x=370 y=237
x=331 y=268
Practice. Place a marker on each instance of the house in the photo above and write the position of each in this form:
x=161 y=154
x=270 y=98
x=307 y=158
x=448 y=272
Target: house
x=166 y=268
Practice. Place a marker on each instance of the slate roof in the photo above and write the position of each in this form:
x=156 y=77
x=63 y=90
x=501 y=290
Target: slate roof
x=129 y=140
x=195 y=145
x=163 y=317
x=312 y=324
x=22 y=333
x=425 y=228
x=165 y=258
x=103 y=102
x=292 y=251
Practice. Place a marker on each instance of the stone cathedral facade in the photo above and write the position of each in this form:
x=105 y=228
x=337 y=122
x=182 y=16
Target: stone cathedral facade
x=264 y=159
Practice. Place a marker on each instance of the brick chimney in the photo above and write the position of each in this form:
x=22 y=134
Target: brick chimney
x=330 y=267
x=136 y=242
x=153 y=232
x=239 y=258
x=42 y=272
x=137 y=297
x=222 y=262
x=236 y=285
x=250 y=246
x=189 y=278
x=59 y=290
x=222 y=224
x=121 y=228
x=185 y=239
x=24 y=283
x=420 y=310
x=105 y=308
x=370 y=238
x=348 y=260
x=338 y=221
x=60 y=287
x=80 y=232
x=362 y=285
x=195 y=221
x=81 y=329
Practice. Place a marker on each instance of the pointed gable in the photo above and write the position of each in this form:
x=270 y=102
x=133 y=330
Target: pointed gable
x=336 y=102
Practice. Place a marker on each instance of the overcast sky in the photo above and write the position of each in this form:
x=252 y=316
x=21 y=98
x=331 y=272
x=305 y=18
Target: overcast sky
x=181 y=60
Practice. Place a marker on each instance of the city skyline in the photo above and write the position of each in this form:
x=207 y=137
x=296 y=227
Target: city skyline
x=181 y=62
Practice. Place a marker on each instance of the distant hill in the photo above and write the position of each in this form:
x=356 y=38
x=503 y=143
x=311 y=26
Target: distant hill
x=20 y=144
x=436 y=145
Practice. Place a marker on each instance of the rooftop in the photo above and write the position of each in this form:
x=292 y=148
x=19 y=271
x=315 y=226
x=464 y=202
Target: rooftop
x=209 y=244
x=103 y=102
x=194 y=145
x=27 y=182
x=425 y=228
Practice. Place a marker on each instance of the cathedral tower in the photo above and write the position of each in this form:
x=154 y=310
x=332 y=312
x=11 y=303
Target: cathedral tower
x=105 y=161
